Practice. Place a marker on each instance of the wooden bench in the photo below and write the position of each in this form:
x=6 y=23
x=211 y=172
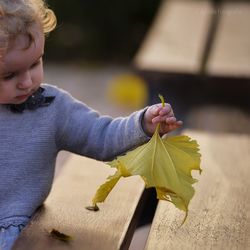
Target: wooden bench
x=219 y=212
x=64 y=210
x=198 y=52
x=175 y=42
x=190 y=36
x=218 y=218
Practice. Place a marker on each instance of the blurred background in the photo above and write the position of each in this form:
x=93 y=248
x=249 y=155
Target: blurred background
x=117 y=56
x=91 y=52
x=99 y=31
x=111 y=52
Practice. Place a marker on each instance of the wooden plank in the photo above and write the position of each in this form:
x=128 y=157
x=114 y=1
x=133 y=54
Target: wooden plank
x=230 y=54
x=214 y=118
x=64 y=210
x=176 y=40
x=219 y=215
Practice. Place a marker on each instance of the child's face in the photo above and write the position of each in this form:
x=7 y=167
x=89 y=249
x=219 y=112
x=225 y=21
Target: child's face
x=21 y=68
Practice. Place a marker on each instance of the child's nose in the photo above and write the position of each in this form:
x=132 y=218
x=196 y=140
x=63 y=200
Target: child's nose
x=25 y=80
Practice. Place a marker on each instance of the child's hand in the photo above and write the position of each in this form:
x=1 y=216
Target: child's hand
x=165 y=115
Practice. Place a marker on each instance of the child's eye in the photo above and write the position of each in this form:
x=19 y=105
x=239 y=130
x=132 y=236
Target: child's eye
x=9 y=76
x=35 y=64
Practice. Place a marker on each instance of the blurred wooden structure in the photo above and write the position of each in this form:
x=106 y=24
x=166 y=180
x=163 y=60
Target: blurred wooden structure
x=198 y=52
x=197 y=37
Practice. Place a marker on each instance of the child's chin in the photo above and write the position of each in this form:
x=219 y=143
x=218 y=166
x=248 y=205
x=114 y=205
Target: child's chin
x=21 y=99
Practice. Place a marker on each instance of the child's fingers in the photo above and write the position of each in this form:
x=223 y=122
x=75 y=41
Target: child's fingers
x=170 y=127
x=166 y=110
x=164 y=119
x=164 y=115
x=171 y=120
x=179 y=123
x=155 y=109
x=156 y=119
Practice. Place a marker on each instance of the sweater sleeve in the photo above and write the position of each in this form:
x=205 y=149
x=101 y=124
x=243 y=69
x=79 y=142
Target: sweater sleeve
x=84 y=131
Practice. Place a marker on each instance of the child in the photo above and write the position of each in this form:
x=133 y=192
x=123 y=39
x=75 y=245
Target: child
x=38 y=120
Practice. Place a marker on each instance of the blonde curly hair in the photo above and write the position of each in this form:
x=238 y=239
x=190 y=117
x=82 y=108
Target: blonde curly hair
x=18 y=16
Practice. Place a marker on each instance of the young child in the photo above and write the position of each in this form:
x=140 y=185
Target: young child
x=38 y=120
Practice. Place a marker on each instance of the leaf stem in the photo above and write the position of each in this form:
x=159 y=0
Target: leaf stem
x=163 y=105
x=162 y=100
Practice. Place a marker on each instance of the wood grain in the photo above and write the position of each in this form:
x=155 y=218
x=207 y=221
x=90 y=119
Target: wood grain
x=64 y=210
x=177 y=37
x=230 y=54
x=212 y=118
x=219 y=214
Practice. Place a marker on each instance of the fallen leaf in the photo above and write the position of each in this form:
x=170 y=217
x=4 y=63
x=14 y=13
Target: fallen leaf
x=60 y=236
x=163 y=163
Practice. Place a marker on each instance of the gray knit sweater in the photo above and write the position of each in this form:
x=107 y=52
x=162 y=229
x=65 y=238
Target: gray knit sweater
x=30 y=142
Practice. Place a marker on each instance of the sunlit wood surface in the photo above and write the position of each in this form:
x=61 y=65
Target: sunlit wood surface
x=219 y=213
x=230 y=53
x=176 y=40
x=65 y=210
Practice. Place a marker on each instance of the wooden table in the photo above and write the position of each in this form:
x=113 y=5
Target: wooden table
x=219 y=216
x=110 y=228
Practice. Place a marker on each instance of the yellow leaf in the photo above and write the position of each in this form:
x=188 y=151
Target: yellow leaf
x=104 y=190
x=163 y=163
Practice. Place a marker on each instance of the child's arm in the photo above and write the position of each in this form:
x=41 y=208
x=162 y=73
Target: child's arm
x=165 y=115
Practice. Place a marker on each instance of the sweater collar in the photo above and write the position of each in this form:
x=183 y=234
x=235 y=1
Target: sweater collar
x=34 y=102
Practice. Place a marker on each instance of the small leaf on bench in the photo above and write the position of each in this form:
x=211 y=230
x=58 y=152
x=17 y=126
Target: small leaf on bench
x=60 y=236
x=93 y=208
